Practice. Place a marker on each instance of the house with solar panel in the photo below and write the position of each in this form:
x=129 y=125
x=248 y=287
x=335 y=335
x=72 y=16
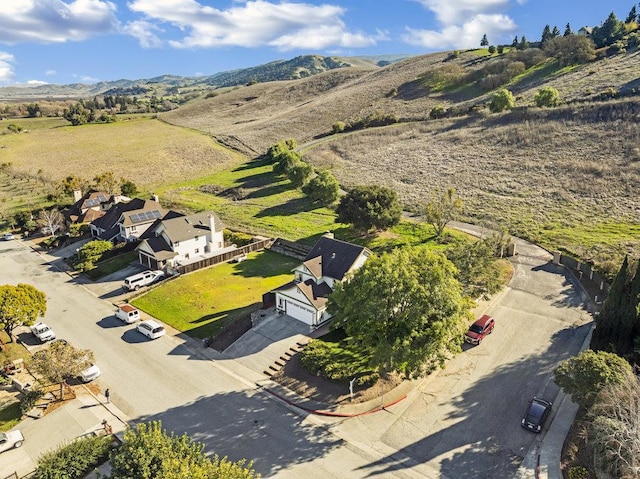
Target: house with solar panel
x=328 y=263
x=127 y=221
x=91 y=206
x=177 y=239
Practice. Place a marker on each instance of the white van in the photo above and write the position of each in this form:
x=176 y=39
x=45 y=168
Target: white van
x=127 y=313
x=151 y=329
x=135 y=282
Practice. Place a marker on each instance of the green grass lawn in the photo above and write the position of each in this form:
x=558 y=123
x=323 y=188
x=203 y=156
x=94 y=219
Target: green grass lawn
x=203 y=302
x=10 y=416
x=112 y=265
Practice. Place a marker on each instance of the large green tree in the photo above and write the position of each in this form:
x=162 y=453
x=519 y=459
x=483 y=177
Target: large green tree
x=300 y=173
x=585 y=375
x=443 y=209
x=20 y=305
x=405 y=307
x=611 y=31
x=323 y=188
x=61 y=361
x=571 y=49
x=148 y=452
x=367 y=207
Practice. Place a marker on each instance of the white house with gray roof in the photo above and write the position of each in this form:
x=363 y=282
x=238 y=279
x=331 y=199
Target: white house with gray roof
x=179 y=238
x=329 y=262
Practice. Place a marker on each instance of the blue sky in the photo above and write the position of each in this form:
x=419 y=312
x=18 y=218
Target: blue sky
x=69 y=41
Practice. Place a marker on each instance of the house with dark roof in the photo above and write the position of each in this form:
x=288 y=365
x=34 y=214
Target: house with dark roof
x=177 y=238
x=329 y=262
x=127 y=221
x=91 y=206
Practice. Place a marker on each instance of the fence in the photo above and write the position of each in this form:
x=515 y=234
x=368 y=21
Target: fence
x=291 y=248
x=221 y=258
x=594 y=284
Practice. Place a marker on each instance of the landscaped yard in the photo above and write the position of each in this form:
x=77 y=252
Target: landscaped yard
x=203 y=302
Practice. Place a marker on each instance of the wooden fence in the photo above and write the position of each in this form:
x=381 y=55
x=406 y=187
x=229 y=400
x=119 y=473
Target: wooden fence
x=221 y=258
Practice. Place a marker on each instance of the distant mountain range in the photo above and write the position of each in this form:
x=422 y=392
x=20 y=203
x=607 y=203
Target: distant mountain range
x=295 y=68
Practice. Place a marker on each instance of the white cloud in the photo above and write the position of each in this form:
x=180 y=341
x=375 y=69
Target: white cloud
x=50 y=73
x=55 y=21
x=285 y=25
x=144 y=32
x=467 y=35
x=6 y=67
x=462 y=24
x=36 y=83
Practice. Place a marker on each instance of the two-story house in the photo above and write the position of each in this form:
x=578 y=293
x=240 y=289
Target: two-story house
x=127 y=221
x=330 y=261
x=91 y=206
x=179 y=238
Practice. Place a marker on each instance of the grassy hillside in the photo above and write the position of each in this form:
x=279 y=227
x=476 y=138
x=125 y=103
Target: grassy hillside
x=147 y=151
x=565 y=177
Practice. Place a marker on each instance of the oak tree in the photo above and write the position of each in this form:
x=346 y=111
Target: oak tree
x=149 y=452
x=367 y=207
x=406 y=308
x=20 y=305
x=61 y=361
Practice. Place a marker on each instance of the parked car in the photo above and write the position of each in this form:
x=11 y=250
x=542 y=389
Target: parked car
x=43 y=332
x=536 y=415
x=478 y=330
x=10 y=439
x=136 y=281
x=89 y=374
x=127 y=313
x=8 y=237
x=151 y=329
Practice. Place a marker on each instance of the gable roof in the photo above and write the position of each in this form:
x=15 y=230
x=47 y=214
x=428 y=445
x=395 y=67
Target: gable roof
x=183 y=228
x=81 y=210
x=110 y=219
x=159 y=248
x=332 y=258
x=317 y=295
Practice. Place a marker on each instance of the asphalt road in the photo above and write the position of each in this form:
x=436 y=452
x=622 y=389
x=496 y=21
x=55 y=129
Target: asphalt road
x=163 y=380
x=463 y=421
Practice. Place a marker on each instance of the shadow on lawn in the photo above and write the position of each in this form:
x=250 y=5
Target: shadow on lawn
x=290 y=208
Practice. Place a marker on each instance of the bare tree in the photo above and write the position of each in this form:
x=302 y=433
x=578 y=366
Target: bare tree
x=443 y=209
x=614 y=430
x=61 y=361
x=51 y=221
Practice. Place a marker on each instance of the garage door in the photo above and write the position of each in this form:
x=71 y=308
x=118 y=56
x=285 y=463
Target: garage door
x=300 y=312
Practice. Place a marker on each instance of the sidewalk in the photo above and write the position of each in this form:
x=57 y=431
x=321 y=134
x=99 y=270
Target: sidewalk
x=79 y=417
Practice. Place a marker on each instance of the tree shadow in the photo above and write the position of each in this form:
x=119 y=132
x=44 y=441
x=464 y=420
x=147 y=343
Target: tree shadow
x=481 y=436
x=290 y=208
x=273 y=189
x=247 y=425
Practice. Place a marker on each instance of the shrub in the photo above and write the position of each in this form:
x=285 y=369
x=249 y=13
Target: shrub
x=578 y=472
x=29 y=400
x=502 y=100
x=14 y=128
x=547 y=96
x=73 y=460
x=338 y=127
x=237 y=238
x=91 y=253
x=285 y=161
x=78 y=229
x=437 y=112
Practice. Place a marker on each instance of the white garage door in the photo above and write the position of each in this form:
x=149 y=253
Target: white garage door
x=300 y=312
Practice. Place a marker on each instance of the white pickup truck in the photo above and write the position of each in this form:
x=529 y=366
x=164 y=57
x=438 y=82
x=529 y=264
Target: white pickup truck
x=43 y=332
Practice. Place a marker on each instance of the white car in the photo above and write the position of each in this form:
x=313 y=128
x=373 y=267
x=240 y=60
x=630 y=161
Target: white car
x=127 y=313
x=43 y=332
x=10 y=439
x=151 y=329
x=89 y=374
x=8 y=237
x=135 y=282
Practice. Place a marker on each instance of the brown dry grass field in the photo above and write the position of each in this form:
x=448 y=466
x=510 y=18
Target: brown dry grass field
x=565 y=176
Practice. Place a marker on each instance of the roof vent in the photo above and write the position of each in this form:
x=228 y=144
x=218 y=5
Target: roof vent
x=328 y=234
x=333 y=255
